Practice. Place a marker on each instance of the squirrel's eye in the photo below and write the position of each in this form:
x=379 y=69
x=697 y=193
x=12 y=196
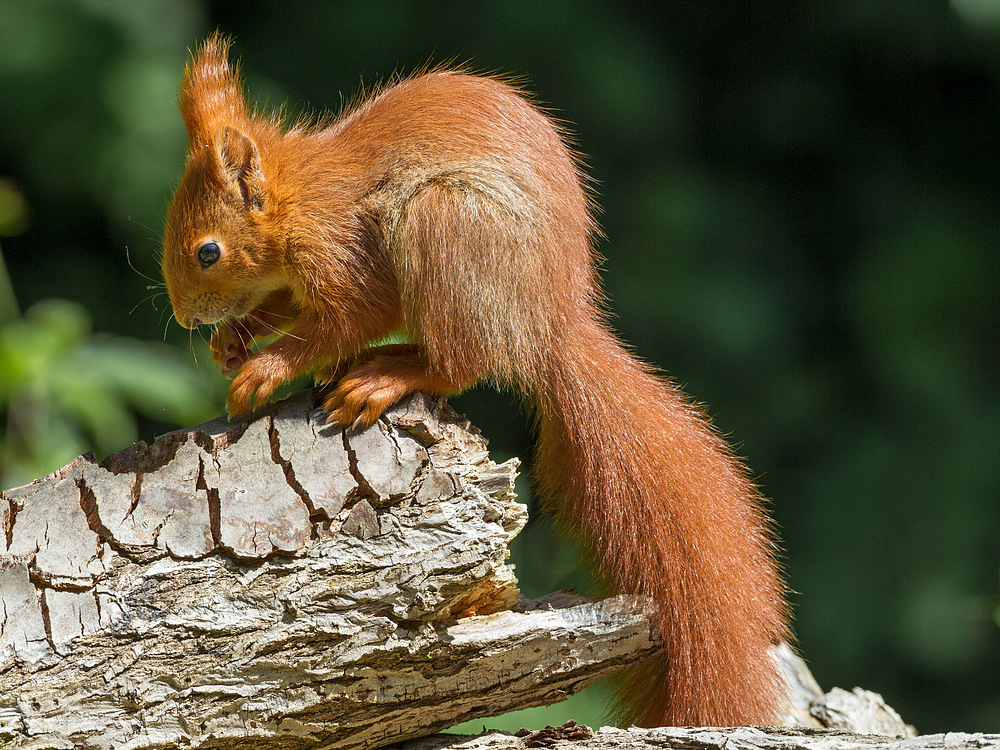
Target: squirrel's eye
x=208 y=254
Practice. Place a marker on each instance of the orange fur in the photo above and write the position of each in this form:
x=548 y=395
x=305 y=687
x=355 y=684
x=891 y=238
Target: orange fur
x=449 y=207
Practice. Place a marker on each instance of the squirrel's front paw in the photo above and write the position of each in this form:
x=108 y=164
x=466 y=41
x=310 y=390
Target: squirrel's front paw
x=258 y=378
x=230 y=345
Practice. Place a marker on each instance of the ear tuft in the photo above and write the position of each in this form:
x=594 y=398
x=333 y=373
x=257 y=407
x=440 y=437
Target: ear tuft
x=239 y=170
x=211 y=92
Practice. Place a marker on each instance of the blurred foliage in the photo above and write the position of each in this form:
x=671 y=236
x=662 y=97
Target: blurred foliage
x=800 y=203
x=66 y=391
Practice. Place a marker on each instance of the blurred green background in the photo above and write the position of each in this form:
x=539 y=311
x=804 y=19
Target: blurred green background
x=800 y=202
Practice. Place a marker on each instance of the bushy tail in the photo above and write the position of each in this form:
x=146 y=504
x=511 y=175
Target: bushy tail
x=668 y=513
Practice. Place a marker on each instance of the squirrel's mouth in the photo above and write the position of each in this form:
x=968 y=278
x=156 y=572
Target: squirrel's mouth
x=192 y=321
x=238 y=308
x=208 y=308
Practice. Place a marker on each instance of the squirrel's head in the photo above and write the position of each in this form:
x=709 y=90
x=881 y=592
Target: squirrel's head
x=220 y=255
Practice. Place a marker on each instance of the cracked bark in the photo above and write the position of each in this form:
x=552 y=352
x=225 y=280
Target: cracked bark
x=283 y=583
x=687 y=738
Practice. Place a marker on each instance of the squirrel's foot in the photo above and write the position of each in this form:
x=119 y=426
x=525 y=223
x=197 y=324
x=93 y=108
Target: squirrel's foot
x=258 y=378
x=378 y=382
x=368 y=390
x=230 y=345
x=232 y=340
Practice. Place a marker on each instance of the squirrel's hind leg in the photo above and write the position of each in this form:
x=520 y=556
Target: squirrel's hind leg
x=380 y=378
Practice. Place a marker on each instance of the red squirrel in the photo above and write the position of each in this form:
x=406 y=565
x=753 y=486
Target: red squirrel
x=449 y=207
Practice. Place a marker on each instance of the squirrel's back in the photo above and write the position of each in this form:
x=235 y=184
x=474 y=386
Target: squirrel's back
x=473 y=160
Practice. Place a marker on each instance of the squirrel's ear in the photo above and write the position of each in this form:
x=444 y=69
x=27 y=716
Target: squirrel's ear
x=238 y=162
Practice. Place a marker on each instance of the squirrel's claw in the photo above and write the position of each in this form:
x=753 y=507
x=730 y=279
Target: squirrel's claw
x=363 y=395
x=258 y=378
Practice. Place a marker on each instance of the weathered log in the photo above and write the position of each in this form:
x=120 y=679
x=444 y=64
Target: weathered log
x=285 y=583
